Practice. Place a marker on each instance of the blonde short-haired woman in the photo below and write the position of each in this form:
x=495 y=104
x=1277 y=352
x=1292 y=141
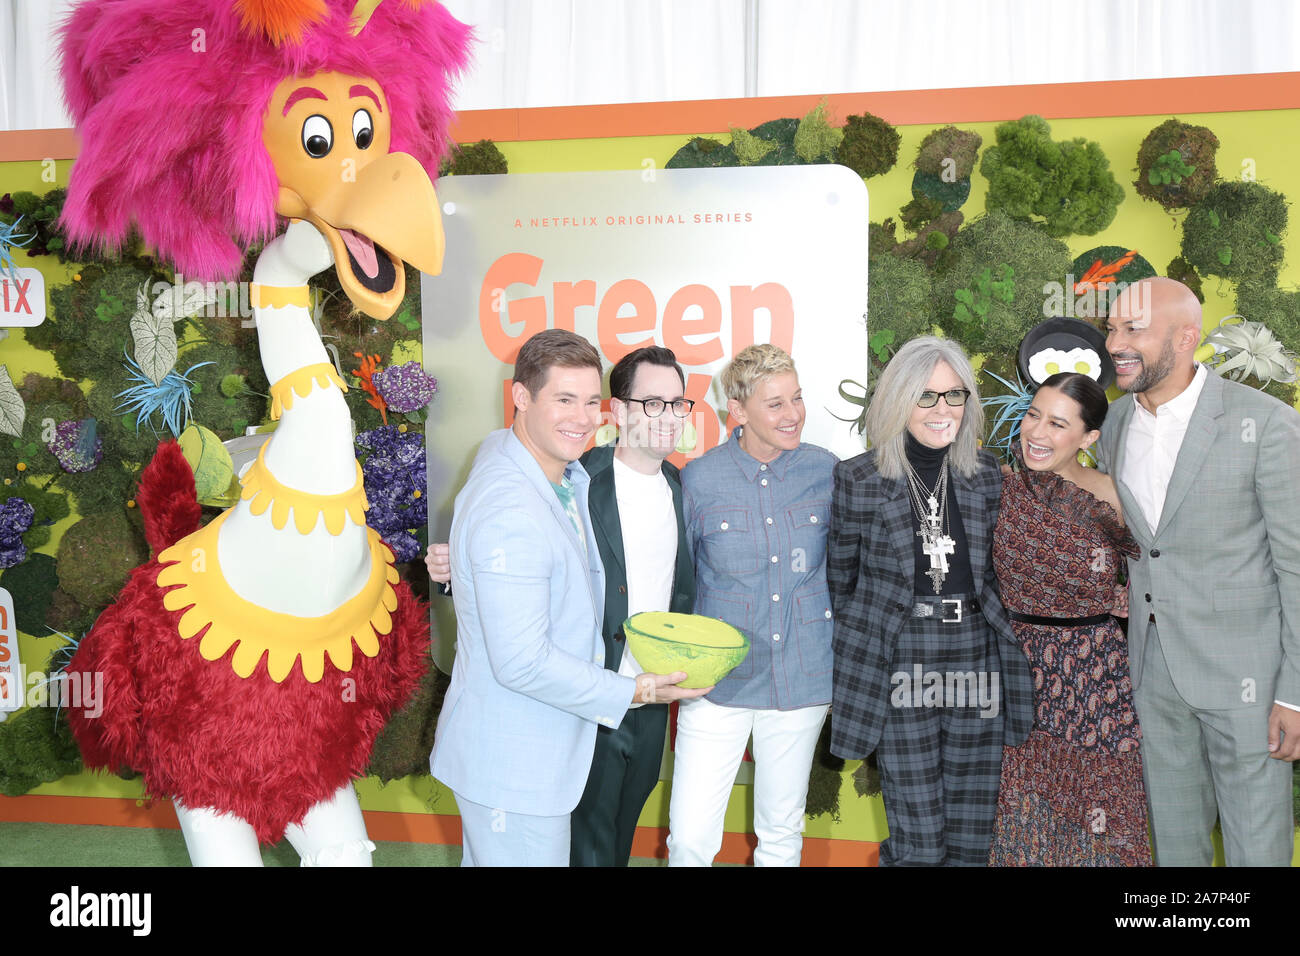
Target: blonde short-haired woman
x=756 y=509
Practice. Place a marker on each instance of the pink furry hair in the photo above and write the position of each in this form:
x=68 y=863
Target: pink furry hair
x=168 y=98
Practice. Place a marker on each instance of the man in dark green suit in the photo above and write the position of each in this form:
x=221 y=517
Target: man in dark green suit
x=635 y=502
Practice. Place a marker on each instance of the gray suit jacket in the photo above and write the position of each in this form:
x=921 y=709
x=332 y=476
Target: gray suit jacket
x=1221 y=572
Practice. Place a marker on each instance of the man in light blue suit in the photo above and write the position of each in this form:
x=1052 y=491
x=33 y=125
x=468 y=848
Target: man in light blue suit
x=518 y=726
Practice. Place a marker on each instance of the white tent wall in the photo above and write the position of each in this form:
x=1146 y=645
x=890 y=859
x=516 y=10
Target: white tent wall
x=574 y=52
x=30 y=94
x=829 y=46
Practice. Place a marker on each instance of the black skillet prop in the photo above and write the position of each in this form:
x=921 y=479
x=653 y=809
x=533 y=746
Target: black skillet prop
x=1065 y=345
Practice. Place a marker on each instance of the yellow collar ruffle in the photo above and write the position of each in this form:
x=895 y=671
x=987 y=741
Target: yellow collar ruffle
x=263 y=490
x=211 y=607
x=301 y=382
x=278 y=296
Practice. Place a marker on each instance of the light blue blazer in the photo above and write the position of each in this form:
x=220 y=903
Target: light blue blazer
x=529 y=684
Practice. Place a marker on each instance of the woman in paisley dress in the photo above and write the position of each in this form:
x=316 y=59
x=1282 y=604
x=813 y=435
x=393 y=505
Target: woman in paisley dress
x=1072 y=794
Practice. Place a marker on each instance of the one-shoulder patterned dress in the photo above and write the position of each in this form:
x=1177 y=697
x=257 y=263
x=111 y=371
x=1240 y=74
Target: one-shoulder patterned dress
x=1072 y=794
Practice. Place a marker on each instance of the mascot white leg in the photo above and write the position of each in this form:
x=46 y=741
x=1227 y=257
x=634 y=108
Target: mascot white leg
x=333 y=833
x=217 y=839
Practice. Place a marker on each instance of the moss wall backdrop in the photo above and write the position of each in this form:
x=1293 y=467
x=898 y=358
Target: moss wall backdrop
x=1254 y=146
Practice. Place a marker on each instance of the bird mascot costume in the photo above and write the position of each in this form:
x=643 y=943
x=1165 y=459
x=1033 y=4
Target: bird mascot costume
x=249 y=665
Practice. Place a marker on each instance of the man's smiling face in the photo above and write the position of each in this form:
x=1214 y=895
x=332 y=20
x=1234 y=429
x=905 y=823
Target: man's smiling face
x=1152 y=333
x=558 y=421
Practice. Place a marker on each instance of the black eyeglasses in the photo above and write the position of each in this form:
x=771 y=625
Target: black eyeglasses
x=955 y=397
x=654 y=407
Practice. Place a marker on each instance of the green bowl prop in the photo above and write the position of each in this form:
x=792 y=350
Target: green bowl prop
x=705 y=648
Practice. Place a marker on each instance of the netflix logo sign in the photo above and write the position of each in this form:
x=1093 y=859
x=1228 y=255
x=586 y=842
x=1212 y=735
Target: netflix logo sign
x=22 y=297
x=702 y=261
x=11 y=684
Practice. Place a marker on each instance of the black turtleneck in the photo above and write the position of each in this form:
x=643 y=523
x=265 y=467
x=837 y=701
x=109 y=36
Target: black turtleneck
x=927 y=461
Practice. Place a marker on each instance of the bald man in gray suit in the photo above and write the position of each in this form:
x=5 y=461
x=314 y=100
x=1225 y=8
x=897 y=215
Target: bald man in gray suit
x=1208 y=472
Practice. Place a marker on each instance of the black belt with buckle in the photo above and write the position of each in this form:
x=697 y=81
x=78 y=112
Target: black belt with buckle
x=1058 y=621
x=945 y=610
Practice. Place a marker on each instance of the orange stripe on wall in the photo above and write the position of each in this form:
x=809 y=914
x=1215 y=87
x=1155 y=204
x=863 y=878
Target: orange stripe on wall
x=23 y=145
x=440 y=829
x=1198 y=94
x=437 y=828
x=983 y=104
x=89 y=811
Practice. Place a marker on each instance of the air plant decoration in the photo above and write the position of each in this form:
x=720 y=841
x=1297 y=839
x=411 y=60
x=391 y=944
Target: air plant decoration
x=1243 y=348
x=1005 y=412
x=169 y=398
x=10 y=237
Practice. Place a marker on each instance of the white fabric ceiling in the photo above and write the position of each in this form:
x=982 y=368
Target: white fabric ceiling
x=573 y=52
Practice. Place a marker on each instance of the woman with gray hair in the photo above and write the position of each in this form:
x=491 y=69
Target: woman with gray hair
x=928 y=673
x=756 y=509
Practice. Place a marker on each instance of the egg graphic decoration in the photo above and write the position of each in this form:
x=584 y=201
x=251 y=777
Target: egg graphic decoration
x=1065 y=345
x=1048 y=362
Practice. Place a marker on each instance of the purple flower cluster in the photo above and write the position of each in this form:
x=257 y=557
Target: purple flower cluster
x=15 y=517
x=77 y=446
x=405 y=387
x=395 y=482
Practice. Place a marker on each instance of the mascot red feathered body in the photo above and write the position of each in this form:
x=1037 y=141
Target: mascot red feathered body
x=250 y=664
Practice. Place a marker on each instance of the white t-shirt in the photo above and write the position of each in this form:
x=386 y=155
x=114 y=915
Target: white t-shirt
x=649 y=522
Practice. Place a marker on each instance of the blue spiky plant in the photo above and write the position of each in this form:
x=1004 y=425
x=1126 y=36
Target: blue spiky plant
x=1005 y=412
x=62 y=655
x=10 y=238
x=59 y=661
x=169 y=398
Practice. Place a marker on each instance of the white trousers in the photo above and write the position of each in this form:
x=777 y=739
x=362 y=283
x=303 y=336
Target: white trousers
x=710 y=744
x=333 y=833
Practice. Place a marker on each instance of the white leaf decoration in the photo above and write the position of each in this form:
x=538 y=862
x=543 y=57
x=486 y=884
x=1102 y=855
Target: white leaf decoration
x=12 y=408
x=180 y=303
x=155 y=344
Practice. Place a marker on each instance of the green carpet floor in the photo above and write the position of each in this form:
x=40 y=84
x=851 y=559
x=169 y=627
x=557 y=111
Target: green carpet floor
x=56 y=844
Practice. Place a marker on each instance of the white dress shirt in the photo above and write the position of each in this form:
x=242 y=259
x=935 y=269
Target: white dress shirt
x=1151 y=447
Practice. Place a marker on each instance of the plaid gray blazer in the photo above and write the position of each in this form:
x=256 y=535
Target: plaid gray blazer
x=871 y=571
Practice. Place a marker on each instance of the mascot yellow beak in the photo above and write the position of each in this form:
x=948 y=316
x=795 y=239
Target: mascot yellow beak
x=328 y=136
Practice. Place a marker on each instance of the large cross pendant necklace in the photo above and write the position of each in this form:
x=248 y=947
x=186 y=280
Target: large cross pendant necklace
x=931 y=508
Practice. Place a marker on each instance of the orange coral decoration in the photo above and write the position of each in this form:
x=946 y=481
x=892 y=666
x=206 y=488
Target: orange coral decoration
x=1099 y=275
x=369 y=366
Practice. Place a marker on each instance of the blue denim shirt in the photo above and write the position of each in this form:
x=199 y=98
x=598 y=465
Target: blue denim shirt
x=758 y=534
